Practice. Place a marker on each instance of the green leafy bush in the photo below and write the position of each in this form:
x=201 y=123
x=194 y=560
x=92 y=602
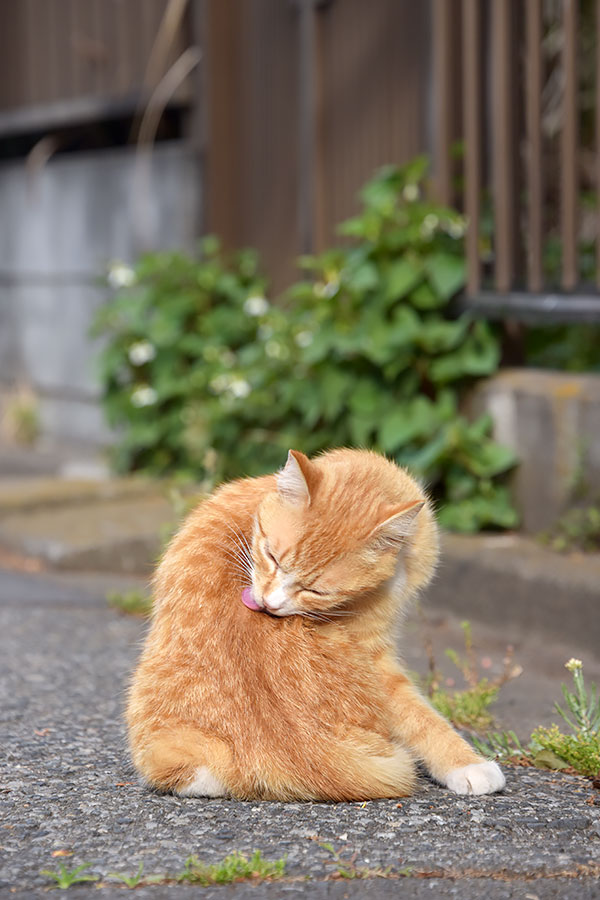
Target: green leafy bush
x=182 y=340
x=203 y=375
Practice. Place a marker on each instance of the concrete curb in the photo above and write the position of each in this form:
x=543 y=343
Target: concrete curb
x=512 y=582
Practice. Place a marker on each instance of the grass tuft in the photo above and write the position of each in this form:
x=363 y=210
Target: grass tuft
x=348 y=869
x=132 y=603
x=235 y=867
x=468 y=708
x=65 y=878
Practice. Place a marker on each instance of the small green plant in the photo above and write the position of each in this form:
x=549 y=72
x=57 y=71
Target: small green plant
x=348 y=869
x=581 y=750
x=468 y=708
x=576 y=529
x=504 y=746
x=133 y=603
x=65 y=879
x=130 y=881
x=550 y=748
x=235 y=867
x=21 y=417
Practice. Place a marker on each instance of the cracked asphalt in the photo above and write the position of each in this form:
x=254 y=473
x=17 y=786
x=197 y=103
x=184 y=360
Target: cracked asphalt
x=66 y=784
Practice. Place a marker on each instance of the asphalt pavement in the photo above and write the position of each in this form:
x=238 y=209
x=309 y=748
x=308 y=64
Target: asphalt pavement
x=66 y=785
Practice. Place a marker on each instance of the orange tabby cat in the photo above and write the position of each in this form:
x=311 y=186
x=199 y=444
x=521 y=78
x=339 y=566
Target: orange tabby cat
x=269 y=670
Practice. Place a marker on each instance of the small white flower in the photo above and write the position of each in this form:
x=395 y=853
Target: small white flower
x=411 y=193
x=120 y=276
x=304 y=338
x=143 y=395
x=228 y=358
x=264 y=332
x=456 y=229
x=330 y=289
x=220 y=383
x=573 y=665
x=430 y=222
x=240 y=388
x=274 y=349
x=141 y=352
x=256 y=306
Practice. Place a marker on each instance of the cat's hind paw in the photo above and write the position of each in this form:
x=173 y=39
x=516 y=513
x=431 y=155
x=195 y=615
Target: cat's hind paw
x=477 y=778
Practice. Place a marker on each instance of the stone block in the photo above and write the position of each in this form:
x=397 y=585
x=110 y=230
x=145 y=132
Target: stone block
x=552 y=421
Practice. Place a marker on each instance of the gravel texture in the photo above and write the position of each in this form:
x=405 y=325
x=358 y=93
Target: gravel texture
x=66 y=784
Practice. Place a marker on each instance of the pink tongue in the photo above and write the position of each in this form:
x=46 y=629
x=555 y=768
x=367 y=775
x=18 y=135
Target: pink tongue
x=248 y=600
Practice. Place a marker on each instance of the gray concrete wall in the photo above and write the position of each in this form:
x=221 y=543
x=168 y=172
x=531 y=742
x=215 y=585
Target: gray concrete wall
x=552 y=421
x=59 y=230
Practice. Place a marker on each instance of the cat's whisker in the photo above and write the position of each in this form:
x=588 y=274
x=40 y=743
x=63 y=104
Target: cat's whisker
x=241 y=540
x=318 y=617
x=234 y=553
x=237 y=558
x=242 y=569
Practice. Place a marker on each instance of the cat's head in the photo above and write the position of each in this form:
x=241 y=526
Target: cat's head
x=336 y=530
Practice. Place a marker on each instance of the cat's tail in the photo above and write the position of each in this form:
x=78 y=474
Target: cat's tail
x=358 y=773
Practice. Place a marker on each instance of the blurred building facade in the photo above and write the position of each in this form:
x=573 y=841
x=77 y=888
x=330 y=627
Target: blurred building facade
x=133 y=125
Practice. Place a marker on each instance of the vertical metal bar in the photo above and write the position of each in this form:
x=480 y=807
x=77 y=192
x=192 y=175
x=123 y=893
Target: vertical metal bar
x=307 y=126
x=502 y=144
x=533 y=113
x=597 y=136
x=444 y=12
x=472 y=133
x=225 y=65
x=568 y=187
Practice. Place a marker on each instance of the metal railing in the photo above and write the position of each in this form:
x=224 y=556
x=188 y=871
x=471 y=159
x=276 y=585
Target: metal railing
x=518 y=83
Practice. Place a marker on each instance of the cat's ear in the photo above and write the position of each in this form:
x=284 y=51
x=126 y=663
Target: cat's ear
x=398 y=524
x=294 y=479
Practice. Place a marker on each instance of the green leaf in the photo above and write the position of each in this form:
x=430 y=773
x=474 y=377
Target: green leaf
x=363 y=278
x=425 y=298
x=478 y=355
x=361 y=429
x=366 y=398
x=547 y=759
x=447 y=273
x=488 y=459
x=334 y=386
x=402 y=276
x=439 y=336
x=477 y=512
x=417 y=418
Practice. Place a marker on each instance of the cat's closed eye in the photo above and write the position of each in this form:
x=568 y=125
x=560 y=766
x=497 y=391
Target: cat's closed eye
x=313 y=591
x=269 y=555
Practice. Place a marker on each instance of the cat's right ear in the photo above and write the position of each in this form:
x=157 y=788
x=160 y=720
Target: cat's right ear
x=292 y=480
x=398 y=524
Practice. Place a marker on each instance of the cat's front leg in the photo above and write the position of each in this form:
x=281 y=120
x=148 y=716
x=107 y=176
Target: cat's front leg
x=448 y=758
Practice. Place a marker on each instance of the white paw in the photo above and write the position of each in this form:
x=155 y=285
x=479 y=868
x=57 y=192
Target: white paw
x=478 y=778
x=203 y=784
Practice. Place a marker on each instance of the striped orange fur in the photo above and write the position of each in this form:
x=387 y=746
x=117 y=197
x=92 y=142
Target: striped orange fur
x=303 y=698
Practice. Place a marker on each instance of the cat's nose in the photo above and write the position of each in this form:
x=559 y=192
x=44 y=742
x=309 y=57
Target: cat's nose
x=275 y=600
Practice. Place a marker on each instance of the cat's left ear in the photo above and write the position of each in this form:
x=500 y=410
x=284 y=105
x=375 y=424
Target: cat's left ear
x=293 y=481
x=398 y=524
